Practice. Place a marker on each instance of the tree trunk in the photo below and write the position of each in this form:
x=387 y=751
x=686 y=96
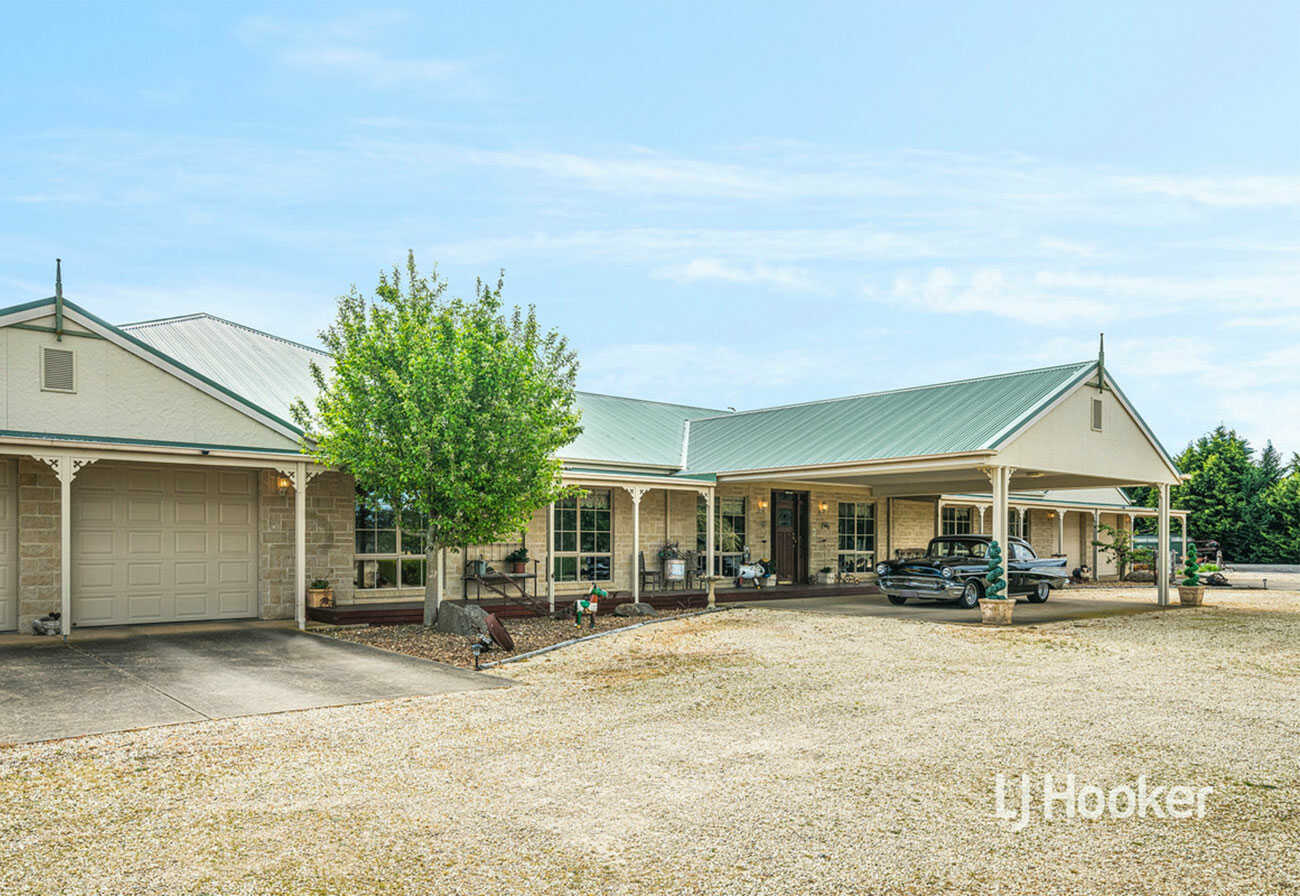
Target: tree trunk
x=432 y=579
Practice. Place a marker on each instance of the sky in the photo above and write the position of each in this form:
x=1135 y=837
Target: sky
x=729 y=205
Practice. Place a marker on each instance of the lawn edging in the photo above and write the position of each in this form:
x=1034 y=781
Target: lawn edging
x=613 y=631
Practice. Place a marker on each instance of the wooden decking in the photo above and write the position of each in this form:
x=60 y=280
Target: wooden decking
x=410 y=612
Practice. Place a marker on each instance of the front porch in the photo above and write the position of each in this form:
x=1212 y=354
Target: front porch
x=407 y=612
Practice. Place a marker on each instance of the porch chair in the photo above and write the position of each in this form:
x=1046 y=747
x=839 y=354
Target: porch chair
x=694 y=568
x=655 y=576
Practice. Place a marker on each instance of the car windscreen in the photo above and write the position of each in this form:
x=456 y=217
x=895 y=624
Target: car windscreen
x=957 y=549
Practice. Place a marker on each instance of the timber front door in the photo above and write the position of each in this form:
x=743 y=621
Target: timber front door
x=789 y=536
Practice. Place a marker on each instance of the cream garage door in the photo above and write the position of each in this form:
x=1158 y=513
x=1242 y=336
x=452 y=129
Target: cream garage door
x=163 y=544
x=8 y=545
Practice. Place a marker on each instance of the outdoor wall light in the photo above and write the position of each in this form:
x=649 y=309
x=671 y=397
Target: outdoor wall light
x=762 y=505
x=282 y=483
x=822 y=506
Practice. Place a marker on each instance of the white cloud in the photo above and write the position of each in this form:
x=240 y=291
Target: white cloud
x=1226 y=192
x=356 y=46
x=990 y=291
x=705 y=373
x=783 y=245
x=374 y=68
x=700 y=269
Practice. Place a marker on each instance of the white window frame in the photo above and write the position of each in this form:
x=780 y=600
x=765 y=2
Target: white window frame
x=374 y=558
x=577 y=554
x=862 y=560
x=726 y=562
x=960 y=516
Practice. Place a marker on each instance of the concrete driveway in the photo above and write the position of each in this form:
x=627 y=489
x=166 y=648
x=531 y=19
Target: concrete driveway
x=1072 y=604
x=116 y=679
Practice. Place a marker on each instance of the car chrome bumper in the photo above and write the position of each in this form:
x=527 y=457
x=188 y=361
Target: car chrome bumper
x=917 y=586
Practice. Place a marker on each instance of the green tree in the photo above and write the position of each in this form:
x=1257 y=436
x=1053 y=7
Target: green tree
x=447 y=407
x=1271 y=468
x=1223 y=494
x=1282 y=503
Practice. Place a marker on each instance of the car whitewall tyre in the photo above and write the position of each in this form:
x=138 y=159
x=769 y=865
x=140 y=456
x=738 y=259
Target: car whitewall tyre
x=1041 y=593
x=970 y=595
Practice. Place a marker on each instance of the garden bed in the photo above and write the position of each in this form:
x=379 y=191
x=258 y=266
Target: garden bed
x=528 y=634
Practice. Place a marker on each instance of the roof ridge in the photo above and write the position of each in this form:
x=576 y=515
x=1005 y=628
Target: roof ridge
x=833 y=399
x=197 y=315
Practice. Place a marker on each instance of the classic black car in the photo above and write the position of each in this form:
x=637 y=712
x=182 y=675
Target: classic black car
x=954 y=566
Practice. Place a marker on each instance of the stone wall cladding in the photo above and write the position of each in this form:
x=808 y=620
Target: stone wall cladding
x=39 y=578
x=331 y=518
x=913 y=524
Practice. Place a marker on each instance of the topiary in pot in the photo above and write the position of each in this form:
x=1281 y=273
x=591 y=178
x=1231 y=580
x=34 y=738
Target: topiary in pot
x=1191 y=593
x=995 y=606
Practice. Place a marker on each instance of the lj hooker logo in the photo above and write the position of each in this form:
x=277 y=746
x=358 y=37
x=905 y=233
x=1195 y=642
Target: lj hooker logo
x=1069 y=799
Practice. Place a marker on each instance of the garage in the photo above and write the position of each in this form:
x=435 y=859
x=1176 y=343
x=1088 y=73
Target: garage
x=163 y=544
x=8 y=545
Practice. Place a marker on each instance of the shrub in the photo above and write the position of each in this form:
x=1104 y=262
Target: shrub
x=995 y=585
x=1192 y=569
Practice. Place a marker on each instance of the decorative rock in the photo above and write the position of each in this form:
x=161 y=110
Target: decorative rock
x=461 y=618
x=1140 y=575
x=640 y=608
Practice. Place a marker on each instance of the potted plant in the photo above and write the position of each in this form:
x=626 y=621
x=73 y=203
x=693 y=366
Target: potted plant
x=824 y=576
x=769 y=573
x=1190 y=590
x=674 y=565
x=320 y=593
x=995 y=606
x=517 y=561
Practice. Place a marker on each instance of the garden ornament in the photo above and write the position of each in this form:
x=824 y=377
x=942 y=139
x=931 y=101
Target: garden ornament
x=588 y=605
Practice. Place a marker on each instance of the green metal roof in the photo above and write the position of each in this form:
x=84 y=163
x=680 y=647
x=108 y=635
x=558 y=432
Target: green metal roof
x=948 y=418
x=268 y=373
x=272 y=372
x=266 y=370
x=632 y=430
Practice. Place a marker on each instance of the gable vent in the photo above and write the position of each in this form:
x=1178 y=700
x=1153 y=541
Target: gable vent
x=58 y=370
x=1096 y=414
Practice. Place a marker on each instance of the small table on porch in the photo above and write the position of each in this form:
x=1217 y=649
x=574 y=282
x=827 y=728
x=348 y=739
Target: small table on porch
x=513 y=586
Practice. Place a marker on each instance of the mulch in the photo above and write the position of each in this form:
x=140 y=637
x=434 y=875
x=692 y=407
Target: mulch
x=528 y=635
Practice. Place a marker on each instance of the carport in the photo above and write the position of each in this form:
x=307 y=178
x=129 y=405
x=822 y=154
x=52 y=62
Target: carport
x=1058 y=428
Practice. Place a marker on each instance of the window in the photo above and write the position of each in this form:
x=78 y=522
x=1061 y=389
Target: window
x=1021 y=552
x=857 y=536
x=728 y=530
x=584 y=539
x=956 y=521
x=389 y=545
x=1018 y=524
x=1096 y=414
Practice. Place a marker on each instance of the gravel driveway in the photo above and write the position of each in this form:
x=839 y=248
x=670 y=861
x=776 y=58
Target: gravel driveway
x=745 y=752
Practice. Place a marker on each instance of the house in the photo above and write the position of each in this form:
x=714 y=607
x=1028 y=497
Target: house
x=151 y=472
